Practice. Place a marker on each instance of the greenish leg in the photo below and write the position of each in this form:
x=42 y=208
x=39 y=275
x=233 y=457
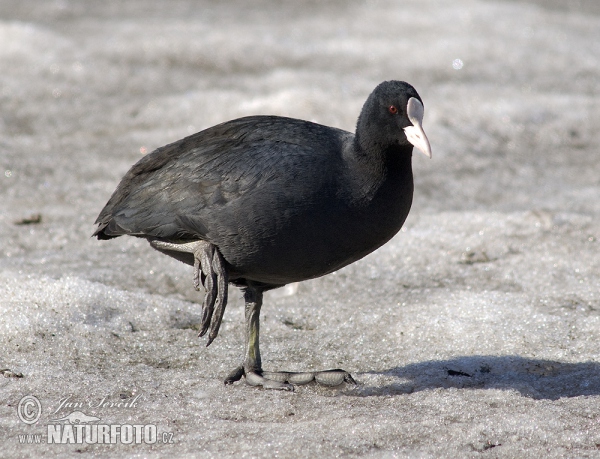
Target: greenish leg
x=252 y=366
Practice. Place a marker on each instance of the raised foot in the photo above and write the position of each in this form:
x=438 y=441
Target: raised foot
x=210 y=271
x=286 y=380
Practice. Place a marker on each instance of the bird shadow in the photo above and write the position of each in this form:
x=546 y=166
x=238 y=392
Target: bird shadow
x=533 y=378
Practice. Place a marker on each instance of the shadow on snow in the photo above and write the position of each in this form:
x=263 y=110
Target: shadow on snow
x=534 y=378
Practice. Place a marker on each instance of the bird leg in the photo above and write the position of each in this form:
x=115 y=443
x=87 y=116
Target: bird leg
x=252 y=366
x=210 y=270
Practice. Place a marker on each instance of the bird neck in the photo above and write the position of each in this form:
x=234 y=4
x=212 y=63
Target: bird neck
x=379 y=191
x=378 y=169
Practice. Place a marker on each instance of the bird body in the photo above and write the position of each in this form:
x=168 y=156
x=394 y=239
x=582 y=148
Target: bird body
x=280 y=208
x=273 y=200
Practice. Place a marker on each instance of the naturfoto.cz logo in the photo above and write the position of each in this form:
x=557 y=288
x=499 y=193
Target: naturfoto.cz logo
x=79 y=427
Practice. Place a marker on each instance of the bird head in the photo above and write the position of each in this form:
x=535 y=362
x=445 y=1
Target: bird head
x=393 y=115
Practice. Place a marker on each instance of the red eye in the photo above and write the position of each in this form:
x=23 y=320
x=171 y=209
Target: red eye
x=392 y=109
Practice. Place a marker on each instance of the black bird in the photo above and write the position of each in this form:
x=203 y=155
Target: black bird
x=263 y=201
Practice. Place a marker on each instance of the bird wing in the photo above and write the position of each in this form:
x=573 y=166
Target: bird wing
x=179 y=190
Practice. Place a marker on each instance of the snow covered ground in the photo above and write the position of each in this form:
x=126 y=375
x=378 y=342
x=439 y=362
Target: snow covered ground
x=473 y=333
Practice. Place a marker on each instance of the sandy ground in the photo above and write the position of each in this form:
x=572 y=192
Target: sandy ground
x=473 y=333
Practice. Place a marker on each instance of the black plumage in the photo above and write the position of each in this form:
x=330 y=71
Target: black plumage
x=275 y=200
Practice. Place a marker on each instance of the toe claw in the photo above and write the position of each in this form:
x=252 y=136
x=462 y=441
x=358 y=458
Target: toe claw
x=350 y=380
x=203 y=331
x=235 y=375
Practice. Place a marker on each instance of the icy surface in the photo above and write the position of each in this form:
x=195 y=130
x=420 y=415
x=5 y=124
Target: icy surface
x=473 y=333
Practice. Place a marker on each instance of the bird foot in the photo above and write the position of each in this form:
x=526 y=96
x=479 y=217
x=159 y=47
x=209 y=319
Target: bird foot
x=210 y=271
x=286 y=380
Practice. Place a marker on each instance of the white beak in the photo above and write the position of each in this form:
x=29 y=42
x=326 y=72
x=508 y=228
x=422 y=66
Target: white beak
x=415 y=133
